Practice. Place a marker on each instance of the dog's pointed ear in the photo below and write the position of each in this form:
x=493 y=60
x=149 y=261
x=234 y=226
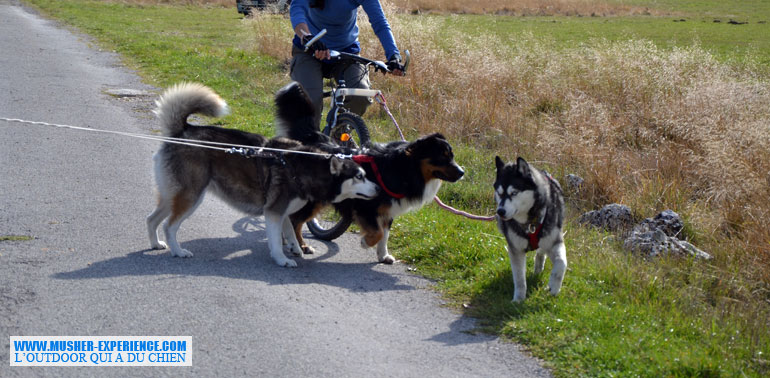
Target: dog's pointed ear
x=335 y=166
x=499 y=163
x=522 y=166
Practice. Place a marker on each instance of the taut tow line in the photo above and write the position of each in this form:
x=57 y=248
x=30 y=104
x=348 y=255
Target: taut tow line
x=245 y=150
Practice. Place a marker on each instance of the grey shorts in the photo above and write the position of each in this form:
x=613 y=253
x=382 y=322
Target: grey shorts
x=310 y=72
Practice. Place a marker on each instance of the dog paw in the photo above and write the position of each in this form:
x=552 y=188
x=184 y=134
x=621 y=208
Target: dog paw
x=518 y=298
x=181 y=253
x=288 y=263
x=308 y=250
x=159 y=245
x=388 y=259
x=292 y=249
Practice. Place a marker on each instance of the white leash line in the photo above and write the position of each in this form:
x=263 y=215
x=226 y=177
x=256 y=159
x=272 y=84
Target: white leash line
x=122 y=133
x=232 y=149
x=182 y=141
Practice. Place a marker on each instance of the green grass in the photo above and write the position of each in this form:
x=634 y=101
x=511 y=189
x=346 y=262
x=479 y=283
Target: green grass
x=617 y=315
x=725 y=41
x=745 y=10
x=15 y=238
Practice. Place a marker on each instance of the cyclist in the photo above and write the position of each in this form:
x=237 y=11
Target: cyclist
x=338 y=17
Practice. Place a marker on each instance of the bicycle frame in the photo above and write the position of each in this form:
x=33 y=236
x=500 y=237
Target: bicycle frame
x=340 y=92
x=338 y=95
x=339 y=114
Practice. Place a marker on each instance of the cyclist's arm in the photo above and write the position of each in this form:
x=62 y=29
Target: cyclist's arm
x=298 y=15
x=381 y=27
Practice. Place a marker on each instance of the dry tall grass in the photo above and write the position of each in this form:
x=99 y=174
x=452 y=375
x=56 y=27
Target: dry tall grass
x=518 y=7
x=644 y=126
x=214 y=3
x=521 y=7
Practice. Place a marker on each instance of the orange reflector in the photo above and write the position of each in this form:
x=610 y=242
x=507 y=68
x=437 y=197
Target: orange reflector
x=345 y=137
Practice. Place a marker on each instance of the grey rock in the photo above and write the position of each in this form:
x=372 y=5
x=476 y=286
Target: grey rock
x=613 y=217
x=574 y=182
x=667 y=221
x=657 y=243
x=659 y=236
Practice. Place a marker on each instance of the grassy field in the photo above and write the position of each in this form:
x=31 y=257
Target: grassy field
x=654 y=113
x=726 y=41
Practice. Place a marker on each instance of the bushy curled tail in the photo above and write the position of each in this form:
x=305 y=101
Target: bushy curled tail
x=181 y=100
x=295 y=115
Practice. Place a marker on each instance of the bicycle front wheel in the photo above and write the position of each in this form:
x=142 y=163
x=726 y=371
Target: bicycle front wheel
x=350 y=131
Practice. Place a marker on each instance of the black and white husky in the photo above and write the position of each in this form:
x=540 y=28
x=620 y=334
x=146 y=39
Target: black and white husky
x=530 y=213
x=275 y=188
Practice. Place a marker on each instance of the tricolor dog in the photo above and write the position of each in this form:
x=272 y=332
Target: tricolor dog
x=408 y=173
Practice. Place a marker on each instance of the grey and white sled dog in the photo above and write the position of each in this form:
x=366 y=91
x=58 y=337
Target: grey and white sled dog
x=530 y=213
x=275 y=187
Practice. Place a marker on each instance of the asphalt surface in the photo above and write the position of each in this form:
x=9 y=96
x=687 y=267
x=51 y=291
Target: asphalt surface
x=83 y=197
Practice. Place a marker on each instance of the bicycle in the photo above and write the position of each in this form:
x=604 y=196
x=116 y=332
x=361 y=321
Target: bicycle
x=348 y=130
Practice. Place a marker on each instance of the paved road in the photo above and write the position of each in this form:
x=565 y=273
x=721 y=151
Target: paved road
x=83 y=198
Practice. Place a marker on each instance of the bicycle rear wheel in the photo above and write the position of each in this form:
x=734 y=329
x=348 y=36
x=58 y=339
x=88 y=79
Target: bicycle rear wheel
x=329 y=224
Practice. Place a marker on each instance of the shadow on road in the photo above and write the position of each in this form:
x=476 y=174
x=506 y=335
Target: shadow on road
x=244 y=257
x=463 y=330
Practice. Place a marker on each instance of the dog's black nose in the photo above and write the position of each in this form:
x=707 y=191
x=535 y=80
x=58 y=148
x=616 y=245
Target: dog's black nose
x=501 y=212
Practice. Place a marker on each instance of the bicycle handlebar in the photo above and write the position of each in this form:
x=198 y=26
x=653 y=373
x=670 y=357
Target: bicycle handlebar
x=316 y=38
x=378 y=64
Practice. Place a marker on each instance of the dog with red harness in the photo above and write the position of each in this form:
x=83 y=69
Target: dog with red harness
x=409 y=173
x=530 y=214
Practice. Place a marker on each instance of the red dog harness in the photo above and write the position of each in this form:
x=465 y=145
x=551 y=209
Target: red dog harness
x=534 y=237
x=370 y=159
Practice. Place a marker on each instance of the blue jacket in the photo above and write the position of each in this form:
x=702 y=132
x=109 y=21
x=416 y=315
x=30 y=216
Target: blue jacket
x=338 y=17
